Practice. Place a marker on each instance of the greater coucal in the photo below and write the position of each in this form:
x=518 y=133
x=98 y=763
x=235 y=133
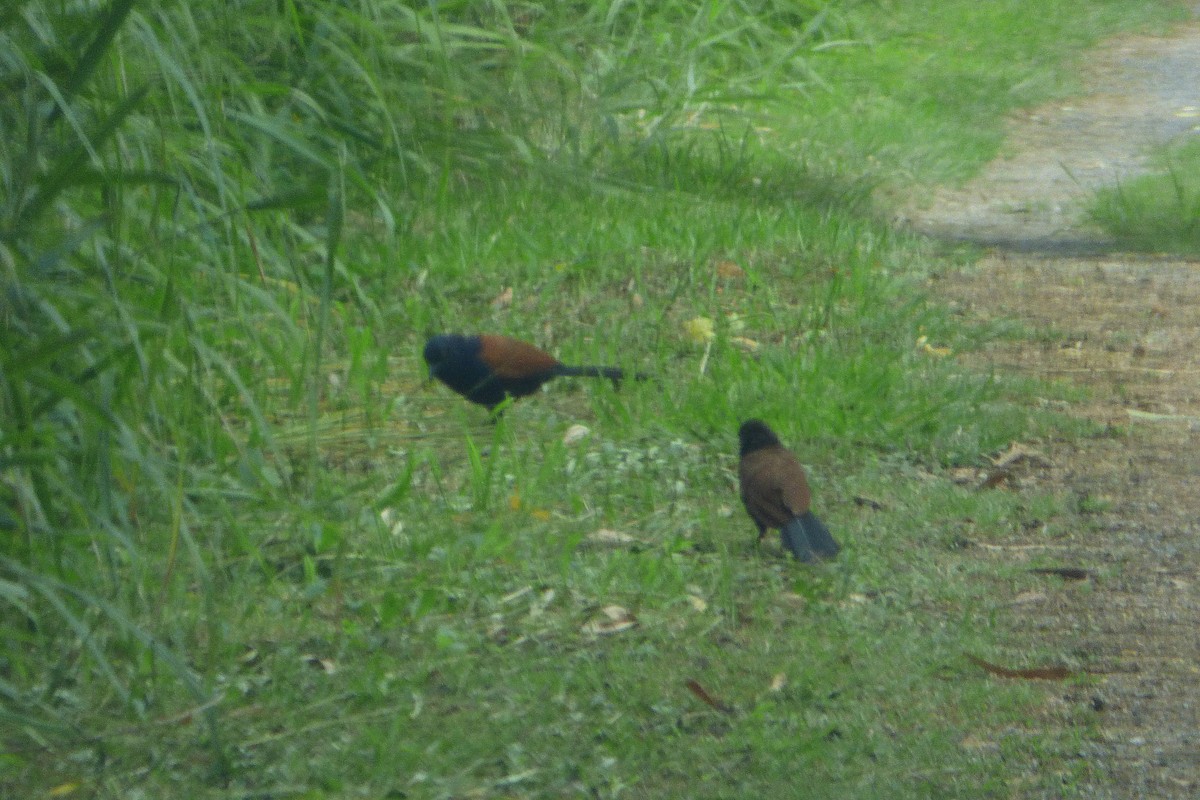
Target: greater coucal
x=486 y=368
x=775 y=492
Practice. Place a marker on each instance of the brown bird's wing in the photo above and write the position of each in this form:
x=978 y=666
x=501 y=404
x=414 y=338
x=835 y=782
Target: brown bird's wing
x=511 y=358
x=774 y=488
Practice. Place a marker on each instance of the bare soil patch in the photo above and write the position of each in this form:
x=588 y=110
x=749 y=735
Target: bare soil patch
x=1127 y=328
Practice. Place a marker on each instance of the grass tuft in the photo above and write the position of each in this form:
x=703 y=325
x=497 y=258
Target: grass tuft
x=1159 y=212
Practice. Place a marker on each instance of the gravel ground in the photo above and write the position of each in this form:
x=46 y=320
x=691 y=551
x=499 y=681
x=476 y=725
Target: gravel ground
x=1128 y=328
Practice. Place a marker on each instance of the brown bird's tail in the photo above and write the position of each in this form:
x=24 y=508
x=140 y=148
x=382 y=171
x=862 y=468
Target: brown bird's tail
x=615 y=374
x=807 y=537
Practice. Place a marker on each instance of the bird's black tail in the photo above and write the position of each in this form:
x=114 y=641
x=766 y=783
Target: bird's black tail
x=807 y=537
x=615 y=374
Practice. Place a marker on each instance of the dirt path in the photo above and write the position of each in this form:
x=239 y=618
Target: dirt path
x=1127 y=327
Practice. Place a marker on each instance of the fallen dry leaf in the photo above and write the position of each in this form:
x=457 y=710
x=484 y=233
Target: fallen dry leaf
x=698 y=602
x=610 y=538
x=940 y=352
x=777 y=682
x=1003 y=465
x=575 y=434
x=964 y=475
x=1035 y=674
x=695 y=688
x=504 y=299
x=539 y=604
x=749 y=345
x=326 y=665
x=924 y=346
x=610 y=620
x=1026 y=598
x=515 y=595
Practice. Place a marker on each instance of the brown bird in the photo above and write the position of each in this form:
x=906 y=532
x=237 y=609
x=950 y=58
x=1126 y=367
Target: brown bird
x=775 y=493
x=487 y=368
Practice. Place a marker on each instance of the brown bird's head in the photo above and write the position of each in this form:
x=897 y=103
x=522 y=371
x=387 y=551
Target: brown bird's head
x=755 y=435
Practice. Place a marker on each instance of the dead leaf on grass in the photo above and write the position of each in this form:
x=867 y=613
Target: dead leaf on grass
x=540 y=602
x=777 y=682
x=964 y=475
x=695 y=688
x=610 y=538
x=1003 y=465
x=515 y=595
x=575 y=434
x=504 y=299
x=1026 y=598
x=326 y=665
x=749 y=345
x=1035 y=674
x=610 y=619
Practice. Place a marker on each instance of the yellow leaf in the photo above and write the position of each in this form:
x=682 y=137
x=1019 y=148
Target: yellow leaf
x=540 y=514
x=699 y=329
x=514 y=501
x=64 y=789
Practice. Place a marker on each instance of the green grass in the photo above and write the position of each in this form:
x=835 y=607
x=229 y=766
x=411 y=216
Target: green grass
x=1159 y=212
x=248 y=551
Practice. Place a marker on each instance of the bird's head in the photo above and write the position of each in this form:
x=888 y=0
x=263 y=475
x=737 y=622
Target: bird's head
x=755 y=435
x=440 y=350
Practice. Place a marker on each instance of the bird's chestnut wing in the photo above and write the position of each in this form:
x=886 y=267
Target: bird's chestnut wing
x=510 y=358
